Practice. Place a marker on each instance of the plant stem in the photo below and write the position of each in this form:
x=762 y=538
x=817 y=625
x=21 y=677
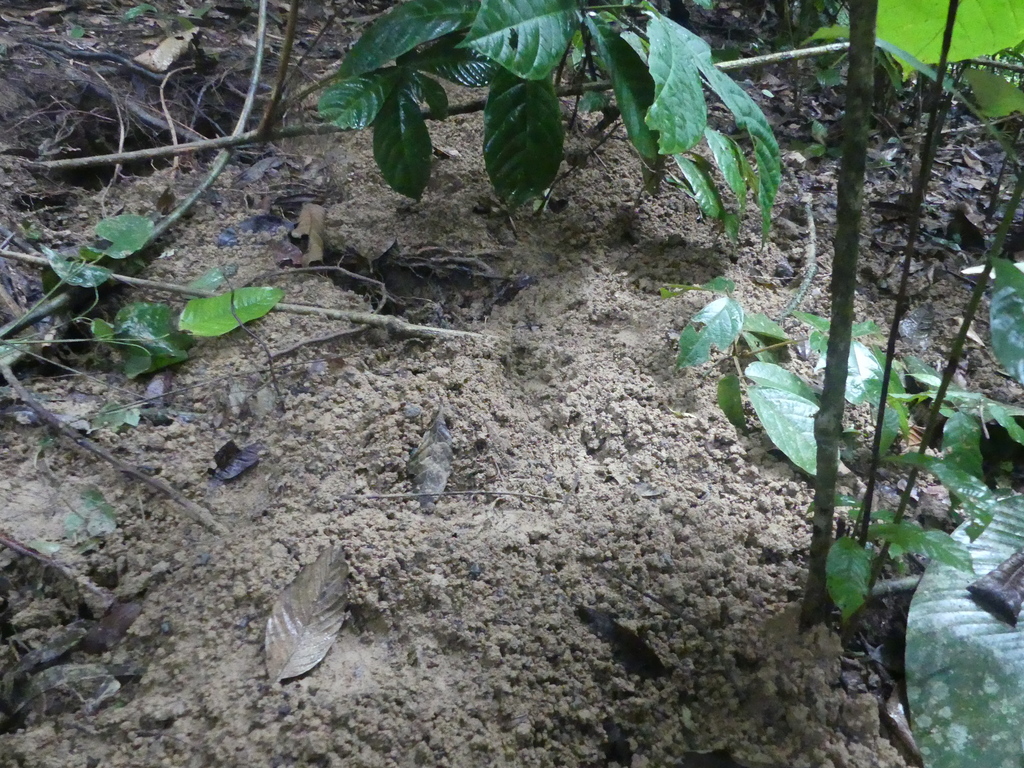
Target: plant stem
x=828 y=424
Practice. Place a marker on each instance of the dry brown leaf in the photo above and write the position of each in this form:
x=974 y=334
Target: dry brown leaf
x=311 y=224
x=161 y=58
x=431 y=463
x=307 y=616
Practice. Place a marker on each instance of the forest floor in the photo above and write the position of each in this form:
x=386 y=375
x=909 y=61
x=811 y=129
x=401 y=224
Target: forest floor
x=606 y=480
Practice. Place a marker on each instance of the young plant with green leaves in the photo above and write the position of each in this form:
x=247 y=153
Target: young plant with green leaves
x=519 y=51
x=145 y=332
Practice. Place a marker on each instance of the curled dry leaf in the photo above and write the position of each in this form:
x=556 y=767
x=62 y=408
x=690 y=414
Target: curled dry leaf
x=311 y=224
x=172 y=48
x=431 y=463
x=307 y=616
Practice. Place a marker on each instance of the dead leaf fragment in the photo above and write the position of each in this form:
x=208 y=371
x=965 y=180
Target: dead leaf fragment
x=311 y=224
x=172 y=48
x=431 y=463
x=307 y=616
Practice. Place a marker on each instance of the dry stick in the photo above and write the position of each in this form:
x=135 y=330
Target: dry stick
x=253 y=137
x=87 y=447
x=106 y=597
x=389 y=323
x=316 y=340
x=269 y=114
x=375 y=496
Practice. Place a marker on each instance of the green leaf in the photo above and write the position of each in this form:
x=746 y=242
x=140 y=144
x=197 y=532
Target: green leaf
x=446 y=59
x=976 y=497
x=729 y=159
x=679 y=112
x=401 y=142
x=102 y=330
x=789 y=421
x=911 y=537
x=747 y=114
x=92 y=518
x=864 y=375
x=771 y=375
x=1006 y=317
x=213 y=316
x=982 y=28
x=995 y=96
x=114 y=417
x=701 y=185
x=633 y=87
x=762 y=325
x=816 y=322
x=961 y=443
x=433 y=94
x=847 y=575
x=76 y=272
x=403 y=28
x=522 y=137
x=730 y=400
x=127 y=234
x=356 y=102
x=527 y=37
x=210 y=280
x=1005 y=418
x=722 y=319
x=147 y=338
x=965 y=667
x=895 y=423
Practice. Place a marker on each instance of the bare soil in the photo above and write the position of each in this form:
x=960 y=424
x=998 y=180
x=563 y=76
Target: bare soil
x=613 y=482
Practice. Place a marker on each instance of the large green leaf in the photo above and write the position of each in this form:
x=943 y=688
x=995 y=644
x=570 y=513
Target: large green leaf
x=679 y=112
x=633 y=86
x=401 y=142
x=995 y=96
x=983 y=27
x=722 y=319
x=961 y=443
x=446 y=59
x=527 y=37
x=730 y=400
x=965 y=667
x=215 y=316
x=127 y=233
x=1006 y=315
x=354 y=103
x=403 y=28
x=701 y=185
x=431 y=92
x=522 y=137
x=747 y=114
x=978 y=499
x=76 y=272
x=907 y=536
x=147 y=338
x=864 y=375
x=771 y=375
x=729 y=159
x=789 y=421
x=847 y=575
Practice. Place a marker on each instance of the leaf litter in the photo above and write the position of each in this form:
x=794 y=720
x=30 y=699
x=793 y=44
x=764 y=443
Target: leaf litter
x=307 y=616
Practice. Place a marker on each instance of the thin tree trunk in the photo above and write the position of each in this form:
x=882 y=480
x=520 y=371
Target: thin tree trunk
x=828 y=425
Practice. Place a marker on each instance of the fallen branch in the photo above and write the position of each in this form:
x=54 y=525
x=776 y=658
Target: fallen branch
x=87 y=447
x=390 y=323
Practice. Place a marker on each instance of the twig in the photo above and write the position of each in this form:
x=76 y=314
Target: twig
x=269 y=114
x=478 y=492
x=390 y=323
x=316 y=340
x=86 y=446
x=106 y=597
